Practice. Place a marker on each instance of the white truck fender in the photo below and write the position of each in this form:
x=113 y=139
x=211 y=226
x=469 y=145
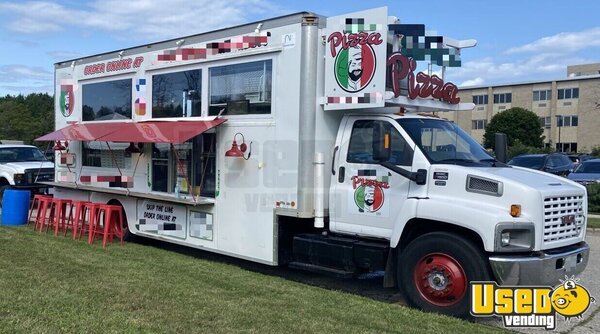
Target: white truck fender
x=8 y=177
x=481 y=219
x=408 y=212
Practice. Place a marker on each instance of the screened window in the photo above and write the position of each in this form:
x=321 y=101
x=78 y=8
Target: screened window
x=177 y=94
x=478 y=124
x=568 y=93
x=107 y=100
x=360 y=149
x=503 y=98
x=98 y=154
x=241 y=88
x=480 y=99
x=542 y=95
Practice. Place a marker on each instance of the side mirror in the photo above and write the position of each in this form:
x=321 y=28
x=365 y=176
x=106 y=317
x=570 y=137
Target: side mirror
x=500 y=147
x=381 y=142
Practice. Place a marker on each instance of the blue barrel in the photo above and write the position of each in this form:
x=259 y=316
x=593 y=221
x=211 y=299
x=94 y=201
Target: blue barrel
x=15 y=206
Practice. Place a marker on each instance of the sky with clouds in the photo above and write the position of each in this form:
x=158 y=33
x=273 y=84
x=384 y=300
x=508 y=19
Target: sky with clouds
x=517 y=40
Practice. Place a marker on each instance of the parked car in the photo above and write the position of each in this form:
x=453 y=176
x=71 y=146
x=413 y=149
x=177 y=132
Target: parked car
x=588 y=172
x=577 y=159
x=22 y=167
x=554 y=163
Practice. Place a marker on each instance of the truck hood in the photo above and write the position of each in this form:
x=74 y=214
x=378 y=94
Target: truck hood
x=20 y=167
x=532 y=178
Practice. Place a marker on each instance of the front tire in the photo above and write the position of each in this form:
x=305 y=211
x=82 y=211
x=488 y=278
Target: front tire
x=435 y=269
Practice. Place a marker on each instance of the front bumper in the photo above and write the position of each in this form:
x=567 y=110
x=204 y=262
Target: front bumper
x=545 y=269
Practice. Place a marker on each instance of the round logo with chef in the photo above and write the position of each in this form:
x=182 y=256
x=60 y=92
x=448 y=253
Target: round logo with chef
x=369 y=198
x=67 y=100
x=355 y=67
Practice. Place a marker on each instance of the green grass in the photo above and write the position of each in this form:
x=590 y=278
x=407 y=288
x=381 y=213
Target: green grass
x=53 y=284
x=593 y=222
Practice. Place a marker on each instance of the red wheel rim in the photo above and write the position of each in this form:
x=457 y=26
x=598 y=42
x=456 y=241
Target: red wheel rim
x=440 y=279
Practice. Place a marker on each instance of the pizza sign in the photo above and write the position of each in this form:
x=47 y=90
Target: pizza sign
x=369 y=192
x=355 y=59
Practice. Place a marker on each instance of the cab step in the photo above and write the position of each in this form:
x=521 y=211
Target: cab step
x=321 y=270
x=342 y=256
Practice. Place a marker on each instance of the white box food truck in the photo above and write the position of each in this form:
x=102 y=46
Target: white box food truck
x=300 y=141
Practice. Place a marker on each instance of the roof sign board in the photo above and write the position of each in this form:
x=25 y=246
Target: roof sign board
x=355 y=60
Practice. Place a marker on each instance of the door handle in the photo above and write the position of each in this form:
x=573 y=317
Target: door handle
x=341 y=174
x=333 y=160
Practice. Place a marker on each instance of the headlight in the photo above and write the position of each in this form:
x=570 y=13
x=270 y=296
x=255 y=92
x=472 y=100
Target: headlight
x=505 y=239
x=19 y=178
x=514 y=237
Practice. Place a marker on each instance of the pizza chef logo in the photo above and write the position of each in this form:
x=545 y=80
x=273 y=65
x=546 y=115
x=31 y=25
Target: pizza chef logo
x=67 y=100
x=355 y=60
x=530 y=306
x=369 y=195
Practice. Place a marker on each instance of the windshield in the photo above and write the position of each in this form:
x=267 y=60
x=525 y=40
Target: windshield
x=533 y=162
x=588 y=167
x=20 y=154
x=444 y=142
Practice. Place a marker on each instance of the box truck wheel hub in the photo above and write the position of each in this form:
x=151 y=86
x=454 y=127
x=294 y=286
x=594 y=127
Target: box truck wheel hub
x=440 y=279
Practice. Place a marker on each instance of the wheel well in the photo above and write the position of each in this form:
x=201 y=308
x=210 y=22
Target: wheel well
x=417 y=227
x=117 y=202
x=3 y=182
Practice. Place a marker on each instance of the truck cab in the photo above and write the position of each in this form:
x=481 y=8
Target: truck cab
x=22 y=167
x=448 y=211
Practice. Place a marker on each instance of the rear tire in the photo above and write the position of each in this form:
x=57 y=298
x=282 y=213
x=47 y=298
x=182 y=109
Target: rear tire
x=127 y=236
x=434 y=272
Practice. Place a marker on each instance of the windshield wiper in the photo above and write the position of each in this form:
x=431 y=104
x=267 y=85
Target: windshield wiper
x=495 y=162
x=456 y=160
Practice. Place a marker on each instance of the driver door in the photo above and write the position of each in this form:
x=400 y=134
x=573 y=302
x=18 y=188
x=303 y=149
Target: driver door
x=366 y=197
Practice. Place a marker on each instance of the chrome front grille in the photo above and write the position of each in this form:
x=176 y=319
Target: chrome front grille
x=563 y=218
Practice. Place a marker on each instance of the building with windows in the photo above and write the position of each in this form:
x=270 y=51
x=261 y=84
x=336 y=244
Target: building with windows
x=568 y=109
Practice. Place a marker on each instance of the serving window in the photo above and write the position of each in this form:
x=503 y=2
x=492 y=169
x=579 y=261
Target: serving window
x=177 y=94
x=241 y=88
x=108 y=100
x=188 y=168
x=98 y=154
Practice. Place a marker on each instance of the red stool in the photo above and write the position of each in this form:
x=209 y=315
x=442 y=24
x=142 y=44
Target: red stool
x=59 y=213
x=91 y=211
x=45 y=214
x=76 y=218
x=37 y=199
x=112 y=217
x=43 y=203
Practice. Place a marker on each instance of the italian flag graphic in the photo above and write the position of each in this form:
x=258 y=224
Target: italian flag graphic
x=364 y=196
x=363 y=54
x=66 y=100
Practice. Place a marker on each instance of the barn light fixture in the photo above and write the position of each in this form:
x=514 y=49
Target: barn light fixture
x=236 y=151
x=59 y=146
x=132 y=148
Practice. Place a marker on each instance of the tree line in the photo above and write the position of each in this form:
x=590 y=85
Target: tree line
x=26 y=117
